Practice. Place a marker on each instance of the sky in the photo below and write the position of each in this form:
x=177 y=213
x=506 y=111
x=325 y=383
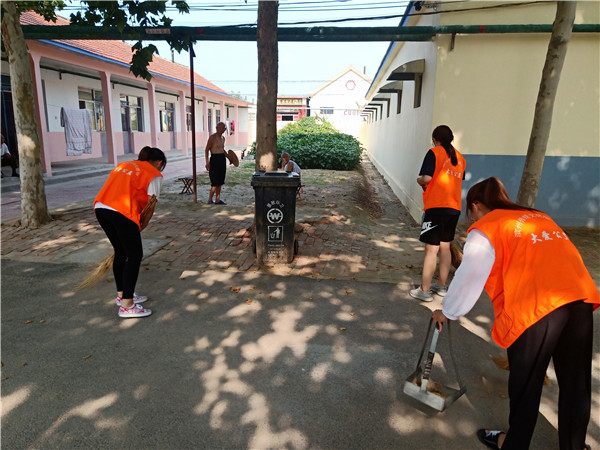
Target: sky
x=303 y=66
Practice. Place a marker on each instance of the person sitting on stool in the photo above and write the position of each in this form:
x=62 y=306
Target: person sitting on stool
x=288 y=165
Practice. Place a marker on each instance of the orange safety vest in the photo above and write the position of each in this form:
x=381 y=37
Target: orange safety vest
x=537 y=270
x=445 y=188
x=126 y=189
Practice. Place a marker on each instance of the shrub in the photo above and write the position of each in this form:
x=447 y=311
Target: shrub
x=334 y=151
x=314 y=143
x=309 y=125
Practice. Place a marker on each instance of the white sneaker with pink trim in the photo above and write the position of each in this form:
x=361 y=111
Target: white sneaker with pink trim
x=134 y=311
x=136 y=299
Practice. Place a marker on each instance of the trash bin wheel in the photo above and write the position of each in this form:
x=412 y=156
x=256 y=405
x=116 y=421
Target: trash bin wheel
x=254 y=245
x=295 y=246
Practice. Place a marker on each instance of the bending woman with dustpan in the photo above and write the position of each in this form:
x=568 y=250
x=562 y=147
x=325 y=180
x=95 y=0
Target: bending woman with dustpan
x=124 y=207
x=543 y=298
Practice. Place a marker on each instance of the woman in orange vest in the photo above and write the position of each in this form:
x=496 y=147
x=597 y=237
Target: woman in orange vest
x=543 y=298
x=441 y=178
x=118 y=207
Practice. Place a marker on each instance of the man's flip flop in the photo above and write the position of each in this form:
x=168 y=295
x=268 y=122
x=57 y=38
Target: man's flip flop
x=210 y=202
x=220 y=202
x=490 y=439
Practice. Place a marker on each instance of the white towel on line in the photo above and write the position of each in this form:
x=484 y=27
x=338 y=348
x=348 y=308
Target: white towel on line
x=78 y=130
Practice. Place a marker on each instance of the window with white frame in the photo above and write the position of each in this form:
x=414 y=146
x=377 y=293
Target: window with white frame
x=132 y=115
x=166 y=111
x=91 y=100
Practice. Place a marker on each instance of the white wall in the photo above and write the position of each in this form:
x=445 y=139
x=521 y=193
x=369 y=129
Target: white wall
x=397 y=145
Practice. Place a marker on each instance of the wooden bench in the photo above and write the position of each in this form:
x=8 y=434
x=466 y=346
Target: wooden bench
x=187 y=185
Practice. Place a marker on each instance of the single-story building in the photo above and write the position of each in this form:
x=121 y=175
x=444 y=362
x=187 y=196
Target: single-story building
x=485 y=86
x=127 y=113
x=341 y=100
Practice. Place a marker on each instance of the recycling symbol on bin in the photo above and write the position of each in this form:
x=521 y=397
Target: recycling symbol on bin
x=274 y=215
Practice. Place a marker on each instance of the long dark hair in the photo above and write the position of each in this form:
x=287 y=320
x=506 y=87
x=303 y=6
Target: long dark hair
x=444 y=135
x=153 y=154
x=493 y=195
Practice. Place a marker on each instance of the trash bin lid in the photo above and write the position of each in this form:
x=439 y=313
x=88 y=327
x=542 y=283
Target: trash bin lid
x=275 y=178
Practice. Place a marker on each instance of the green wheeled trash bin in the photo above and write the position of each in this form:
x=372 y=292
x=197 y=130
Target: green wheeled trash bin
x=275 y=215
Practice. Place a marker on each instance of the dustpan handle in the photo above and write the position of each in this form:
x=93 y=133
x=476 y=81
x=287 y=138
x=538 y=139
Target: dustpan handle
x=424 y=344
x=429 y=360
x=462 y=387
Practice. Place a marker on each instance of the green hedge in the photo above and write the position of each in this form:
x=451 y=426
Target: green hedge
x=321 y=151
x=314 y=143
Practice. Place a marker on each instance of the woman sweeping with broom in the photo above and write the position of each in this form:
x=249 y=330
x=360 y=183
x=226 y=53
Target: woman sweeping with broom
x=543 y=298
x=124 y=207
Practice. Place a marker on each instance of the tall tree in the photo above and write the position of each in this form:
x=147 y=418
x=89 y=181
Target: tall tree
x=542 y=120
x=266 y=108
x=34 y=209
x=120 y=14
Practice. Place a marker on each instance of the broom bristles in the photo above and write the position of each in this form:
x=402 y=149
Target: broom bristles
x=456 y=254
x=98 y=273
x=502 y=363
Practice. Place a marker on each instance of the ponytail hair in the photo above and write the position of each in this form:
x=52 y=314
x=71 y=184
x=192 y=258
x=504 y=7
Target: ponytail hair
x=153 y=154
x=493 y=195
x=443 y=134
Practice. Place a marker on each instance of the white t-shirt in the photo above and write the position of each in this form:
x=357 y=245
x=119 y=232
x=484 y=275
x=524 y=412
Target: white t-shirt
x=470 y=278
x=5 y=150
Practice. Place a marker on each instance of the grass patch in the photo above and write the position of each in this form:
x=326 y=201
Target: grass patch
x=243 y=175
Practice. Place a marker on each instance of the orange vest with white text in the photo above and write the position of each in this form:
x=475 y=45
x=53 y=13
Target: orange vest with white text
x=444 y=189
x=126 y=189
x=537 y=270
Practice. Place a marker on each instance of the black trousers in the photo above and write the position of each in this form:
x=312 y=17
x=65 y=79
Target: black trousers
x=126 y=239
x=565 y=335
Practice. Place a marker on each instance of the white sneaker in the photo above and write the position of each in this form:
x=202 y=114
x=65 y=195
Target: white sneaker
x=439 y=289
x=134 y=311
x=420 y=294
x=136 y=299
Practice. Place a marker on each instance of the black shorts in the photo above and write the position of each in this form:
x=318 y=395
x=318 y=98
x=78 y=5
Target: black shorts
x=438 y=227
x=218 y=169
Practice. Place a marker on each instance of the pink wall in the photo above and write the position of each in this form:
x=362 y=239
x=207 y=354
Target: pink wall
x=140 y=140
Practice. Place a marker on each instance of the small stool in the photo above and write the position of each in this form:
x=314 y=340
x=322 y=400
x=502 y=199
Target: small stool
x=187 y=185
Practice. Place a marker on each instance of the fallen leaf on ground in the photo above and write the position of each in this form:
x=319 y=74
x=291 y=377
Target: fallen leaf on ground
x=28 y=321
x=87 y=356
x=248 y=301
x=42 y=321
x=342 y=328
x=352 y=314
x=348 y=292
x=235 y=288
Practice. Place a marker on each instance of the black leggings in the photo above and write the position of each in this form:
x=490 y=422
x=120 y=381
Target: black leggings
x=565 y=335
x=124 y=235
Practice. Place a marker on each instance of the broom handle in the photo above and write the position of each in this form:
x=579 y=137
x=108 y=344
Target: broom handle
x=429 y=361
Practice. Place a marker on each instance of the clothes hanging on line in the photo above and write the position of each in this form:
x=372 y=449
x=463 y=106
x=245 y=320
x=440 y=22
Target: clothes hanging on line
x=78 y=130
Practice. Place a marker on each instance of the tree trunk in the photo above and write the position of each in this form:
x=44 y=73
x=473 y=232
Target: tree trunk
x=266 y=109
x=542 y=120
x=34 y=209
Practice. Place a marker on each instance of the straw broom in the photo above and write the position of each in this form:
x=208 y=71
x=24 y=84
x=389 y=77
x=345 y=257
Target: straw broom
x=99 y=272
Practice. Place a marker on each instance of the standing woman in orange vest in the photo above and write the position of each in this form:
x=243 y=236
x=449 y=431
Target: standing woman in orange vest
x=441 y=178
x=543 y=298
x=118 y=207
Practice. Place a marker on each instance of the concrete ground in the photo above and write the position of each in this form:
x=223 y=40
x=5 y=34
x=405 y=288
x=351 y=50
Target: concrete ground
x=313 y=354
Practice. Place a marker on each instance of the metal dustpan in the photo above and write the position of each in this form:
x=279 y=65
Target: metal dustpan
x=419 y=386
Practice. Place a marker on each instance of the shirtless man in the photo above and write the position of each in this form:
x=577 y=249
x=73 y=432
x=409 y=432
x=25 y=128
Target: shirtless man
x=216 y=165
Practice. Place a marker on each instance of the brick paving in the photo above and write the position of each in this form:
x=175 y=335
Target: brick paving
x=200 y=237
